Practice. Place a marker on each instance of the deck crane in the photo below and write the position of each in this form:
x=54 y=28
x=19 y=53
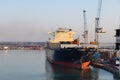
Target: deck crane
x=85 y=34
x=98 y=29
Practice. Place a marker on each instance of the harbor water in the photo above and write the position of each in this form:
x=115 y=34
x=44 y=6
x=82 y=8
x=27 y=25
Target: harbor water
x=32 y=65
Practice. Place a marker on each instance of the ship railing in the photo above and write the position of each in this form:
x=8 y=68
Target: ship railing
x=69 y=45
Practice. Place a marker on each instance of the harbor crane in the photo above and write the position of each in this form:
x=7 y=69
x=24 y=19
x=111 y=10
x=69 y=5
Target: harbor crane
x=85 y=34
x=98 y=29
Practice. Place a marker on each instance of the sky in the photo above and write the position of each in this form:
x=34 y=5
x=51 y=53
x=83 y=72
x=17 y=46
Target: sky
x=31 y=20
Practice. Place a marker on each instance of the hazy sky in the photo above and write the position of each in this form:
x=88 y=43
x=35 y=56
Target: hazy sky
x=31 y=20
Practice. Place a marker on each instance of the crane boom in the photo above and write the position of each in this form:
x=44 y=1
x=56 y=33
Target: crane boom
x=99 y=9
x=85 y=23
x=97 y=22
x=85 y=34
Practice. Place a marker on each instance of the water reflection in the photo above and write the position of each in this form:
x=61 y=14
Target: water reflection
x=32 y=65
x=56 y=72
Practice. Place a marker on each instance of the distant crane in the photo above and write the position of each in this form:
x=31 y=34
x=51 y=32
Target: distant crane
x=85 y=34
x=98 y=29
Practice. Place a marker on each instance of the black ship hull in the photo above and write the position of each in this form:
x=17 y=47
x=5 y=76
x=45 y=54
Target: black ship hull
x=70 y=57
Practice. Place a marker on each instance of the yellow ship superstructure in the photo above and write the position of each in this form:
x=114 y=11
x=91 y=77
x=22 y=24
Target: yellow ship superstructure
x=62 y=35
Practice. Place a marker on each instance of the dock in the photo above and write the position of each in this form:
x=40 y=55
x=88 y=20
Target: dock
x=108 y=67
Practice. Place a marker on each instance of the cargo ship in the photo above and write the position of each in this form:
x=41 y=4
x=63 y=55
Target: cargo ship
x=66 y=51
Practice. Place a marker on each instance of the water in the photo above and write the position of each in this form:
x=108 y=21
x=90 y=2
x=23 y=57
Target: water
x=32 y=65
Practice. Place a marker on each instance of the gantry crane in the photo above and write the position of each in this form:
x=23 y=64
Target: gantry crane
x=98 y=29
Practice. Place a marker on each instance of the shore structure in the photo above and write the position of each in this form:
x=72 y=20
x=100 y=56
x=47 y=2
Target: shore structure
x=109 y=59
x=117 y=43
x=21 y=45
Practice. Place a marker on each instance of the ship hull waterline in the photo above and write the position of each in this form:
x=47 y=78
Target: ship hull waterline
x=70 y=57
